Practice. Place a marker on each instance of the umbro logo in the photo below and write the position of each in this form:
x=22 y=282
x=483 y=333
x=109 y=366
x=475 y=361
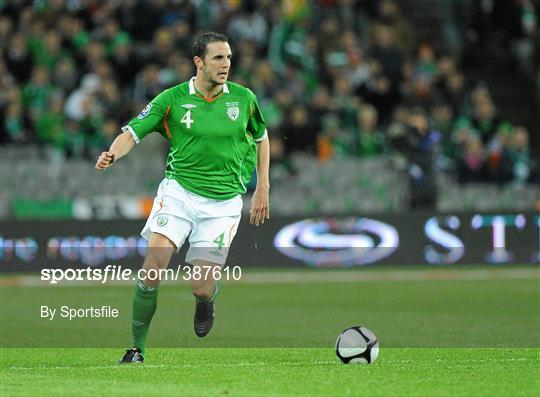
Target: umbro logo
x=216 y=253
x=189 y=106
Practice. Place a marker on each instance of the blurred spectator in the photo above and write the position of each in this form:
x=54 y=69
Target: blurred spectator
x=424 y=73
x=6 y=27
x=109 y=100
x=390 y=14
x=485 y=120
x=472 y=162
x=386 y=52
x=174 y=70
x=377 y=90
x=162 y=44
x=419 y=144
x=35 y=94
x=49 y=52
x=265 y=81
x=369 y=140
x=496 y=148
x=182 y=32
x=359 y=71
x=297 y=131
x=18 y=58
x=80 y=101
x=16 y=124
x=442 y=117
x=110 y=130
x=75 y=34
x=147 y=84
x=93 y=53
x=343 y=101
x=287 y=37
x=320 y=105
x=51 y=125
x=454 y=90
x=422 y=138
x=64 y=75
x=112 y=36
x=516 y=162
x=125 y=63
x=331 y=141
x=249 y=24
x=246 y=63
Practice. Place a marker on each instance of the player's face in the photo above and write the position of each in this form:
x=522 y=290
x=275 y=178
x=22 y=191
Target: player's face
x=216 y=63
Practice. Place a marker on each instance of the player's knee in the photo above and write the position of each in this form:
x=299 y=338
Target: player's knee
x=150 y=274
x=157 y=259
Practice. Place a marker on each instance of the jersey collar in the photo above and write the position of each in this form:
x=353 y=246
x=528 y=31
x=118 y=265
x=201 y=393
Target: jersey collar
x=192 y=90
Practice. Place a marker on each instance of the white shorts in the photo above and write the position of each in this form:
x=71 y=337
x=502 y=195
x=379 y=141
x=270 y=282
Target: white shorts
x=178 y=212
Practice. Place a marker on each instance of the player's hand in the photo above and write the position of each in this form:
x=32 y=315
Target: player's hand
x=260 y=207
x=104 y=160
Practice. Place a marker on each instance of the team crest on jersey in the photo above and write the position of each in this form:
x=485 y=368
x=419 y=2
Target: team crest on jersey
x=162 y=221
x=233 y=112
x=145 y=111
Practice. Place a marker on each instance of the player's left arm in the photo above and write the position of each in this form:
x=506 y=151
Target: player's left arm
x=260 y=202
x=260 y=206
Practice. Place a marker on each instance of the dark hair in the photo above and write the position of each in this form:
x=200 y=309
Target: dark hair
x=200 y=45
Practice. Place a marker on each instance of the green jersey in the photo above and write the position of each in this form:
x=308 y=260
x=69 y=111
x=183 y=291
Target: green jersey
x=213 y=150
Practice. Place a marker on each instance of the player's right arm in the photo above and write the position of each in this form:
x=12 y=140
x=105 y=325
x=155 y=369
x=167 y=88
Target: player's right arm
x=121 y=146
x=148 y=120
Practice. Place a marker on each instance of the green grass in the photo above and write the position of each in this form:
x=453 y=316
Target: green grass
x=477 y=336
x=270 y=372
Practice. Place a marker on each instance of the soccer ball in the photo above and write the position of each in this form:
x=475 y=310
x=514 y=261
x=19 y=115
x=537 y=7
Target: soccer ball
x=357 y=345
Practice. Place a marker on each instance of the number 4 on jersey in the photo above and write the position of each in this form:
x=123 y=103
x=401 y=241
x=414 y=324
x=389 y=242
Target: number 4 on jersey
x=187 y=120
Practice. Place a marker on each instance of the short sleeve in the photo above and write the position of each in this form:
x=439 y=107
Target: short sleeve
x=149 y=118
x=256 y=124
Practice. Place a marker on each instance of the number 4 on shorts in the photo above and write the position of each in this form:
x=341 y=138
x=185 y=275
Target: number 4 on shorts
x=219 y=241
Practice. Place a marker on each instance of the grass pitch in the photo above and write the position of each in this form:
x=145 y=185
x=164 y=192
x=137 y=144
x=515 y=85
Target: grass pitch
x=442 y=333
x=270 y=372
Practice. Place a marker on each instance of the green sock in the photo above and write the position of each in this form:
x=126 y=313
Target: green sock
x=144 y=307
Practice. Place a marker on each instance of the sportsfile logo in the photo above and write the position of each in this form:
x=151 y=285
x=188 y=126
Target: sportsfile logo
x=332 y=242
x=112 y=273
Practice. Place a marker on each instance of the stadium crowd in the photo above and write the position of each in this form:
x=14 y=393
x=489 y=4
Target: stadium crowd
x=334 y=78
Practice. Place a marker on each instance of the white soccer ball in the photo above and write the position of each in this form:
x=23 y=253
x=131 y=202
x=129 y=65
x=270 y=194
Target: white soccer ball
x=357 y=345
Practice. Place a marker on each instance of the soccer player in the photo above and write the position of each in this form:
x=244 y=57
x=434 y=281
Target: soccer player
x=217 y=138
